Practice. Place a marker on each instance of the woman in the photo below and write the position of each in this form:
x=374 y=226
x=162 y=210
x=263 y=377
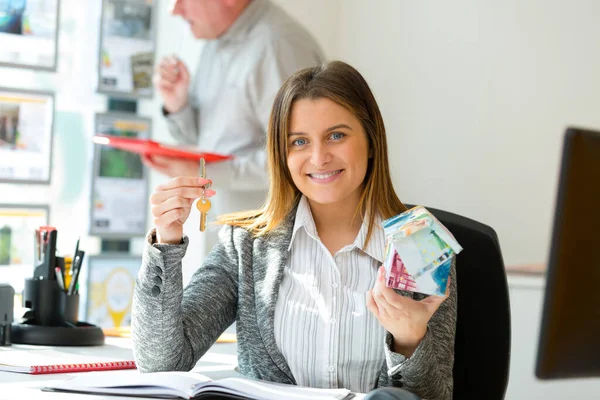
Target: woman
x=301 y=276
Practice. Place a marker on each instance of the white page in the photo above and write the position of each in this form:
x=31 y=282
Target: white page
x=181 y=384
x=189 y=384
x=274 y=391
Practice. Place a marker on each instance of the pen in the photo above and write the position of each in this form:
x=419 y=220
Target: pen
x=76 y=268
x=71 y=270
x=68 y=272
x=59 y=278
x=76 y=248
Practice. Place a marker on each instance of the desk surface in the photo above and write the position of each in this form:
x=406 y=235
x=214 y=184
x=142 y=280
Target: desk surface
x=219 y=362
x=527 y=269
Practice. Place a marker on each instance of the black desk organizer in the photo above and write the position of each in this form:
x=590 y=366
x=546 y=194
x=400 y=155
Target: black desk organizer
x=52 y=318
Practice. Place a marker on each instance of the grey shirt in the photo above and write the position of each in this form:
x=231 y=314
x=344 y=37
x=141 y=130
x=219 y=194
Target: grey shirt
x=231 y=98
x=239 y=281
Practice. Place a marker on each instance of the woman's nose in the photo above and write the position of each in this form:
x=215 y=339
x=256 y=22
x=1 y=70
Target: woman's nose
x=320 y=155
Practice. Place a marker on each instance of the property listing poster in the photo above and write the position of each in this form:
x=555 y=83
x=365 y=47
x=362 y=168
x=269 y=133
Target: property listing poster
x=25 y=136
x=127 y=47
x=120 y=182
x=28 y=33
x=111 y=281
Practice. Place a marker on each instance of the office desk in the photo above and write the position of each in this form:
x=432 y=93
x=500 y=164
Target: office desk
x=219 y=362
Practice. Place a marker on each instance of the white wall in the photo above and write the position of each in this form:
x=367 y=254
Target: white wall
x=321 y=18
x=526 y=298
x=476 y=95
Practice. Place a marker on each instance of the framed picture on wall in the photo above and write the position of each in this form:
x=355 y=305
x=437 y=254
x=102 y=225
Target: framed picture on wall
x=18 y=223
x=29 y=33
x=127 y=48
x=110 y=284
x=26 y=125
x=119 y=180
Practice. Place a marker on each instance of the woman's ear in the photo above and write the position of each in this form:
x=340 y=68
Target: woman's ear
x=371 y=152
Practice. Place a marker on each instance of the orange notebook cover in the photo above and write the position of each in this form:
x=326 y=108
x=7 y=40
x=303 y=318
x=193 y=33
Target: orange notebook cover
x=51 y=361
x=150 y=147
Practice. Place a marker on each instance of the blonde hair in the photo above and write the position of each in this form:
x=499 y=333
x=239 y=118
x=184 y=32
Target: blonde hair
x=344 y=85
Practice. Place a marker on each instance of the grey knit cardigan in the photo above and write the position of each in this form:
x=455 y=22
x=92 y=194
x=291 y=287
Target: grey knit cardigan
x=239 y=281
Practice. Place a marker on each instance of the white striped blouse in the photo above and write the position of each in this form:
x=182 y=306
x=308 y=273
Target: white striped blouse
x=322 y=325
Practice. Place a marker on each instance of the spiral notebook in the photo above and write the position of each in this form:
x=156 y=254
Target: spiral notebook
x=50 y=361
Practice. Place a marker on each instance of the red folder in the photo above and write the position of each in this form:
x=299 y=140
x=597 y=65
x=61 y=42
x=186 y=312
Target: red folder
x=152 y=148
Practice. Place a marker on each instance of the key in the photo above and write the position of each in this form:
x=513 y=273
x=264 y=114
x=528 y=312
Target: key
x=203 y=205
x=203 y=172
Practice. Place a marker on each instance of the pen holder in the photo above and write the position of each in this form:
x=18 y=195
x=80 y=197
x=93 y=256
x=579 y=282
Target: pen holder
x=46 y=301
x=52 y=318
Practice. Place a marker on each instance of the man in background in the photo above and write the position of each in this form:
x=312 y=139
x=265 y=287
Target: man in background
x=252 y=47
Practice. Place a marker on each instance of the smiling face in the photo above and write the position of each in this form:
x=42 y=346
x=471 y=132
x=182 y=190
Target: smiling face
x=328 y=152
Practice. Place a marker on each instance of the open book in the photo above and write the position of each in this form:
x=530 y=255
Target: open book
x=188 y=385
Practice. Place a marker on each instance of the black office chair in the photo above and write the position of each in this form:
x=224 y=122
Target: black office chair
x=482 y=347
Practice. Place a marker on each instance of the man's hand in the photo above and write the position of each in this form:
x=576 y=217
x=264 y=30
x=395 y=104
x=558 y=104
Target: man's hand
x=172 y=79
x=172 y=166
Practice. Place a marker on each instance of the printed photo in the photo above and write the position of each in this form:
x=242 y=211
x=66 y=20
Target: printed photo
x=26 y=123
x=17 y=225
x=115 y=163
x=127 y=19
x=9 y=125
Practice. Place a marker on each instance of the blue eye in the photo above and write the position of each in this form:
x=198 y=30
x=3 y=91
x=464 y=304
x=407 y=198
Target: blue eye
x=337 y=135
x=299 y=142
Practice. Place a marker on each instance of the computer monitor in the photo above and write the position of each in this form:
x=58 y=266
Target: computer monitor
x=569 y=345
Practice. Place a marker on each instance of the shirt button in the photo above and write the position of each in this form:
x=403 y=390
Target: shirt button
x=155 y=291
x=332 y=320
x=331 y=369
x=158 y=270
x=157 y=280
x=335 y=285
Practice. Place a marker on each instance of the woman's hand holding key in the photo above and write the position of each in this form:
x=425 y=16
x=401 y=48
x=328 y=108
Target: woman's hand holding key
x=171 y=204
